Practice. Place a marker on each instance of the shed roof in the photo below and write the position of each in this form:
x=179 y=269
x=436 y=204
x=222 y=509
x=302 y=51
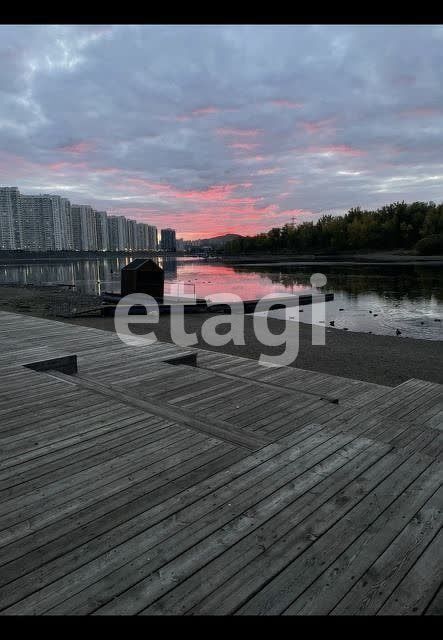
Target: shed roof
x=144 y=264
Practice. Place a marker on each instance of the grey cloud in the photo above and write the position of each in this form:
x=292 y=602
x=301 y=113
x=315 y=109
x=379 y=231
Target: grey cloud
x=131 y=93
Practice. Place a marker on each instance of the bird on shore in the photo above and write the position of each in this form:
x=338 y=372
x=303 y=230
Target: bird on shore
x=332 y=323
x=398 y=332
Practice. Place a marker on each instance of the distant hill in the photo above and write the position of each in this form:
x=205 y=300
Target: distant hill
x=219 y=240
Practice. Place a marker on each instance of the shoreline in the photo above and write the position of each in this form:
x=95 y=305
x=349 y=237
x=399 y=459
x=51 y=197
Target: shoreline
x=344 y=259
x=251 y=259
x=386 y=360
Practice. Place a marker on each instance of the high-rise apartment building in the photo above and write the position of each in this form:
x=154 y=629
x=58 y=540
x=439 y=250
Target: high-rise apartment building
x=168 y=242
x=102 y=226
x=76 y=228
x=57 y=222
x=84 y=227
x=132 y=235
x=67 y=222
x=152 y=238
x=113 y=233
x=10 y=218
x=122 y=226
x=48 y=222
x=37 y=223
x=118 y=233
x=142 y=236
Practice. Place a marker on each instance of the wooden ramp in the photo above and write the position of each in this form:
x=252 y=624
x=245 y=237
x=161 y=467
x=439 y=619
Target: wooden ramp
x=138 y=486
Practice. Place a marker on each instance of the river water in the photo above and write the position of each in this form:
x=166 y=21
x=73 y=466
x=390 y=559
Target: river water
x=370 y=298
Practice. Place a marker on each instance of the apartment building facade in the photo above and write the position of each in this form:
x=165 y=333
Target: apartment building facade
x=49 y=222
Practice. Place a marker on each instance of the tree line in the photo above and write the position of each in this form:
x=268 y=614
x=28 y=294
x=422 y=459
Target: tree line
x=399 y=225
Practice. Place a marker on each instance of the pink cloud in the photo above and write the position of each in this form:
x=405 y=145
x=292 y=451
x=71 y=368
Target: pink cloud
x=318 y=126
x=268 y=172
x=251 y=159
x=288 y=104
x=421 y=111
x=244 y=146
x=144 y=182
x=18 y=168
x=62 y=166
x=240 y=133
x=106 y=170
x=216 y=193
x=196 y=113
x=213 y=194
x=336 y=149
x=244 y=218
x=205 y=111
x=78 y=147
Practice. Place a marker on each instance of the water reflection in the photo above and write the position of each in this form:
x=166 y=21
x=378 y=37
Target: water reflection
x=376 y=298
x=414 y=282
x=169 y=266
x=373 y=298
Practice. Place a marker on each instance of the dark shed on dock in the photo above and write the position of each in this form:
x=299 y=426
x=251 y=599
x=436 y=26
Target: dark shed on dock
x=143 y=276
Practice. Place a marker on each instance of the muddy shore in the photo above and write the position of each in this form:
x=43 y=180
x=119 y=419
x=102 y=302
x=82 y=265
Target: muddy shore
x=387 y=360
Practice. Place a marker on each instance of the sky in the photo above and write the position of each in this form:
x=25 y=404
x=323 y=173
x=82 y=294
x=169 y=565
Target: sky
x=214 y=129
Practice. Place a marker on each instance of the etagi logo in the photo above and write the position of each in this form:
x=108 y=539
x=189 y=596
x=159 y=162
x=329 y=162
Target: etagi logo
x=289 y=337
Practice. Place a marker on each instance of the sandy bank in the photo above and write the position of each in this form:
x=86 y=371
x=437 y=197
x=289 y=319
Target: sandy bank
x=381 y=359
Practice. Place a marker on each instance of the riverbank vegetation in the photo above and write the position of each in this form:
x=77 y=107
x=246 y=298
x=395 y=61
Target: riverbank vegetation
x=416 y=226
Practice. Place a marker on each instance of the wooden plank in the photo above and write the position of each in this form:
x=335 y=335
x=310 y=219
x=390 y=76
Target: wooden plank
x=215 y=428
x=283 y=565
x=158 y=541
x=42 y=439
x=334 y=583
x=370 y=592
x=98 y=527
x=134 y=448
x=418 y=588
x=120 y=508
x=436 y=606
x=310 y=491
x=112 y=477
x=126 y=436
x=130 y=527
x=33 y=466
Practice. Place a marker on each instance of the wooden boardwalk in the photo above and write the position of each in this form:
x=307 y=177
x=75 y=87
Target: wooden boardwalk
x=139 y=486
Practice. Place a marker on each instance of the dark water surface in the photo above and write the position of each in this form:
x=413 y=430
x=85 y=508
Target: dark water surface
x=376 y=298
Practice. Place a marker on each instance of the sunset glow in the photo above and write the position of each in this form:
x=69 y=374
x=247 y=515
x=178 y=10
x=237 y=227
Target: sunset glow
x=213 y=133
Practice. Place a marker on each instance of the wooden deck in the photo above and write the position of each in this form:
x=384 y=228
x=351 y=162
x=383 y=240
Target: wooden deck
x=142 y=487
